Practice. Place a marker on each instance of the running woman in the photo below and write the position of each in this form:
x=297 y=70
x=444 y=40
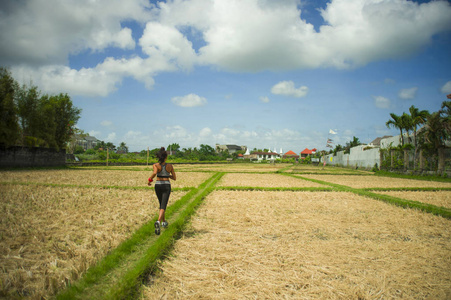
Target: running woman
x=163 y=172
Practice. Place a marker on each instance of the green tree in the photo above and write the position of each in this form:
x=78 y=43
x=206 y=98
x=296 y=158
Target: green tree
x=337 y=148
x=173 y=147
x=47 y=120
x=122 y=148
x=66 y=117
x=206 y=150
x=9 y=126
x=418 y=118
x=44 y=126
x=27 y=99
x=110 y=146
x=434 y=132
x=396 y=122
x=445 y=114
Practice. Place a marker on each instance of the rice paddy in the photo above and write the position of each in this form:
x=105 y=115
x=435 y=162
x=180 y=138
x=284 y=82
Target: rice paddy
x=240 y=244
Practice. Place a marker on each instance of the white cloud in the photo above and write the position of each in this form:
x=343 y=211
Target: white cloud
x=176 y=132
x=287 y=88
x=191 y=100
x=111 y=138
x=446 y=89
x=50 y=30
x=235 y=35
x=230 y=132
x=260 y=35
x=168 y=44
x=106 y=123
x=408 y=93
x=381 y=102
x=264 y=99
x=205 y=132
x=94 y=133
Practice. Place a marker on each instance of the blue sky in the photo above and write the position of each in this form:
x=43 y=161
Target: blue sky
x=260 y=73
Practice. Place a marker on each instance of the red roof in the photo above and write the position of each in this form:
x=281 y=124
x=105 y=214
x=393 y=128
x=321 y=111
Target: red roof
x=290 y=153
x=240 y=155
x=307 y=151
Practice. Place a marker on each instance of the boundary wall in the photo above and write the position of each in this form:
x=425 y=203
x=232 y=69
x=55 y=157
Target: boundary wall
x=17 y=156
x=357 y=158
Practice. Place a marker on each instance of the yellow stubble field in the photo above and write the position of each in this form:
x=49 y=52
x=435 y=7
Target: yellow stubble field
x=306 y=245
x=240 y=244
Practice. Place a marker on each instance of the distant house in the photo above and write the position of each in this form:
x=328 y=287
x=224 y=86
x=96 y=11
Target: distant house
x=230 y=148
x=306 y=152
x=261 y=155
x=291 y=154
x=377 y=141
x=87 y=142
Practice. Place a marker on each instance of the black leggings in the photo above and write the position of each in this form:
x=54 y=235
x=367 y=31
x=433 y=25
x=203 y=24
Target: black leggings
x=163 y=191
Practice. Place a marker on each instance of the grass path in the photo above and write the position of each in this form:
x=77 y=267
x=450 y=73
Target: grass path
x=119 y=274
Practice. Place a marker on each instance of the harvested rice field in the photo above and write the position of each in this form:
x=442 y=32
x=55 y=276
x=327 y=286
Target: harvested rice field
x=51 y=235
x=319 y=169
x=438 y=198
x=299 y=242
x=99 y=177
x=241 y=167
x=265 y=180
x=361 y=182
x=306 y=245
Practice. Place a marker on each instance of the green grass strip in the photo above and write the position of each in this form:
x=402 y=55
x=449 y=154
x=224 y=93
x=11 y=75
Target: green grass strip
x=433 y=209
x=116 y=256
x=126 y=288
x=110 y=261
x=415 y=177
x=274 y=189
x=408 y=189
x=284 y=169
x=90 y=186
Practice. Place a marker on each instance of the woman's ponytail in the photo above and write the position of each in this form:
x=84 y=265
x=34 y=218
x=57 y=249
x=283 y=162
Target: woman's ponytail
x=162 y=155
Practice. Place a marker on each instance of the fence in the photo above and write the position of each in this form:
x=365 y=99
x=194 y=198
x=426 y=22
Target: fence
x=420 y=162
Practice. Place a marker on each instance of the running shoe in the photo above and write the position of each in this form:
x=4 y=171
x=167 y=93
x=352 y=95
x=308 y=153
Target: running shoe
x=157 y=227
x=164 y=224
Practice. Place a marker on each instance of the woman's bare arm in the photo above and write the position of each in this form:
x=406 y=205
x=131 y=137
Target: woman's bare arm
x=155 y=171
x=173 y=177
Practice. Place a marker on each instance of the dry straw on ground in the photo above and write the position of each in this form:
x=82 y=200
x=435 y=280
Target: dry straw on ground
x=264 y=180
x=438 y=198
x=304 y=245
x=99 y=177
x=50 y=236
x=242 y=167
x=301 y=168
x=376 y=181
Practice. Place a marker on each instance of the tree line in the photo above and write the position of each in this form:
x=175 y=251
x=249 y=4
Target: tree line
x=30 y=118
x=430 y=131
x=424 y=130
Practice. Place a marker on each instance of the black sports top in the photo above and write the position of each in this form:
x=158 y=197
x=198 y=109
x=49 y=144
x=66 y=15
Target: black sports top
x=163 y=173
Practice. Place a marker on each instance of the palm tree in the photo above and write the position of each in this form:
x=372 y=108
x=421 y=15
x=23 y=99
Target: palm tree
x=418 y=118
x=396 y=122
x=434 y=131
x=407 y=124
x=445 y=114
